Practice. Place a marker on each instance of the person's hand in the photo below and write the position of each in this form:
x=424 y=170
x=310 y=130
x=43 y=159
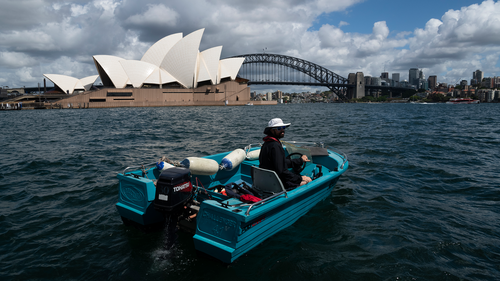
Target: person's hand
x=306 y=179
x=305 y=159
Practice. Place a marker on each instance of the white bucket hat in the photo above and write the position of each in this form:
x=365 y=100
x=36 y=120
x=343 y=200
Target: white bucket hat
x=277 y=122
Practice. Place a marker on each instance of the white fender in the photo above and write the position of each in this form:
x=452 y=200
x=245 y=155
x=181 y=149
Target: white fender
x=253 y=155
x=233 y=159
x=162 y=166
x=201 y=166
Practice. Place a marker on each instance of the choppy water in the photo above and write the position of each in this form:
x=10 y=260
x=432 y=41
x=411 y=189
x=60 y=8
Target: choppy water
x=420 y=200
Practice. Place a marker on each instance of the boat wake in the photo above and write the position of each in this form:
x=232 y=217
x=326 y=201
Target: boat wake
x=164 y=256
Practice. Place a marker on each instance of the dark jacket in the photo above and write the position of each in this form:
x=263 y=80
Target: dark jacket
x=272 y=157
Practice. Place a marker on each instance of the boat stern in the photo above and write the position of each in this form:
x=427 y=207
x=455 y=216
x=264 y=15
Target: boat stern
x=136 y=195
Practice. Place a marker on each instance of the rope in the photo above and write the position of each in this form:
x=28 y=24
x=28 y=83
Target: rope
x=206 y=192
x=171 y=162
x=143 y=169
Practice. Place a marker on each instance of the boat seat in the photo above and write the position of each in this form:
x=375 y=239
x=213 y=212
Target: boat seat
x=266 y=181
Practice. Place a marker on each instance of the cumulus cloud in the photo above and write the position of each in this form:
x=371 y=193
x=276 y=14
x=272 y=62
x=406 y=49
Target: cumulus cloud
x=155 y=15
x=15 y=60
x=61 y=37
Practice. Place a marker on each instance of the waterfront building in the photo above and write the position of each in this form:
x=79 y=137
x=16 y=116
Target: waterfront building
x=422 y=84
x=478 y=76
x=490 y=94
x=368 y=80
x=489 y=82
x=279 y=95
x=404 y=83
x=413 y=76
x=172 y=62
x=395 y=77
x=172 y=72
x=496 y=82
x=432 y=82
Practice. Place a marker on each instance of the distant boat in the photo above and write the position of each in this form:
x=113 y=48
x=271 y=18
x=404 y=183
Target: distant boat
x=226 y=102
x=249 y=103
x=462 y=101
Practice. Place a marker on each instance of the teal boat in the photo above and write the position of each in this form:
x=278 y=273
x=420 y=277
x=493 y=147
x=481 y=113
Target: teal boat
x=230 y=208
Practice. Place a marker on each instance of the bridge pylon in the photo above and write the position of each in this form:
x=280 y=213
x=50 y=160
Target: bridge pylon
x=358 y=91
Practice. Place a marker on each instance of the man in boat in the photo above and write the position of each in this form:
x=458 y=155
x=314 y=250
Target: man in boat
x=272 y=156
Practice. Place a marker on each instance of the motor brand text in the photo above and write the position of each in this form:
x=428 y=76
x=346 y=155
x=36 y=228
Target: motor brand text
x=181 y=187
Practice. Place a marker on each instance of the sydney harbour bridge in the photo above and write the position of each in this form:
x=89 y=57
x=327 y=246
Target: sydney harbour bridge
x=273 y=69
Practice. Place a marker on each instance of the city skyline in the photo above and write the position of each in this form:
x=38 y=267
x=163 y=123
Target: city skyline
x=449 y=39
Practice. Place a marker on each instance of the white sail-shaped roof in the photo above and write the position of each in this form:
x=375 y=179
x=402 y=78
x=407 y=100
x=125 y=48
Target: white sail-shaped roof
x=172 y=59
x=181 y=60
x=229 y=68
x=159 y=77
x=203 y=73
x=88 y=81
x=209 y=62
x=137 y=71
x=113 y=68
x=156 y=53
x=79 y=85
x=69 y=84
x=64 y=82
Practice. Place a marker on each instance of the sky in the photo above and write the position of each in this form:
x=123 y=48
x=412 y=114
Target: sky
x=447 y=38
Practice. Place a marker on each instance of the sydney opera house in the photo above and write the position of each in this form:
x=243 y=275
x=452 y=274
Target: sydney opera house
x=173 y=72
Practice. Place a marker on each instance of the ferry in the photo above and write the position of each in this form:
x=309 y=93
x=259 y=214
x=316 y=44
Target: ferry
x=462 y=101
x=225 y=200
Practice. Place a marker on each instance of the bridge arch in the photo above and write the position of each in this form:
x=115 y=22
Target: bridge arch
x=319 y=76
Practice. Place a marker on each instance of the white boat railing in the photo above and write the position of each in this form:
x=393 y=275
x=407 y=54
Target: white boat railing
x=249 y=147
x=136 y=167
x=251 y=205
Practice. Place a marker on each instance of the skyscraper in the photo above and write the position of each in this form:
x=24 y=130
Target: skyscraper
x=395 y=77
x=413 y=76
x=432 y=81
x=478 y=75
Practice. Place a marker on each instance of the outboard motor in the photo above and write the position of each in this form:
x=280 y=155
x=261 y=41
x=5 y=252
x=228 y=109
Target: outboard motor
x=173 y=189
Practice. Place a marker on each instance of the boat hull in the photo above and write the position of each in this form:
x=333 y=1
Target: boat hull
x=227 y=236
x=462 y=101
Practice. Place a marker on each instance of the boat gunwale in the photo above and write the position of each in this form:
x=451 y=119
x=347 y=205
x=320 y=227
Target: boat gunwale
x=273 y=203
x=328 y=176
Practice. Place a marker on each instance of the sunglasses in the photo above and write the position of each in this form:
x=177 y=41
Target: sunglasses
x=280 y=128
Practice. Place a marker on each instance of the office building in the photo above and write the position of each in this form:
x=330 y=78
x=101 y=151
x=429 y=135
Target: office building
x=432 y=81
x=478 y=76
x=413 y=76
x=395 y=77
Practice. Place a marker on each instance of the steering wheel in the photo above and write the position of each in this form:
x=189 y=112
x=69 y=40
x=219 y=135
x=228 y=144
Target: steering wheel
x=300 y=169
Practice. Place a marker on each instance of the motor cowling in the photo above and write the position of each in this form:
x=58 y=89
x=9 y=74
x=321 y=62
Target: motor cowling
x=173 y=189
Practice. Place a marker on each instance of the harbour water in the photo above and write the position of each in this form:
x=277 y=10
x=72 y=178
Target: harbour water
x=420 y=200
